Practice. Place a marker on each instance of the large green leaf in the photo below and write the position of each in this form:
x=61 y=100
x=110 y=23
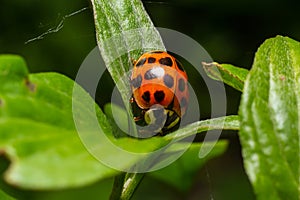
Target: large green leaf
x=37 y=131
x=270 y=120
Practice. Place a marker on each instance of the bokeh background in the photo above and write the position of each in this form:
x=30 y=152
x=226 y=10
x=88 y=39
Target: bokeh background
x=231 y=31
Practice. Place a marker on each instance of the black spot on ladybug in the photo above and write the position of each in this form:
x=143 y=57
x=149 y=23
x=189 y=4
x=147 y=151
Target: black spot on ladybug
x=181 y=85
x=179 y=65
x=183 y=102
x=159 y=96
x=140 y=62
x=136 y=82
x=158 y=52
x=166 y=61
x=168 y=80
x=146 y=96
x=151 y=60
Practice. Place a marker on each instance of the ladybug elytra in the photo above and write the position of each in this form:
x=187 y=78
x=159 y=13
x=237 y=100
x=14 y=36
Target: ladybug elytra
x=159 y=92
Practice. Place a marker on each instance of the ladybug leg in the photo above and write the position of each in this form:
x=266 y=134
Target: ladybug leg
x=141 y=117
x=137 y=118
x=138 y=114
x=132 y=100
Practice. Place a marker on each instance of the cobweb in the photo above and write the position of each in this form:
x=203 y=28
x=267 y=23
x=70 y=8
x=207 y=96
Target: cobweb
x=58 y=27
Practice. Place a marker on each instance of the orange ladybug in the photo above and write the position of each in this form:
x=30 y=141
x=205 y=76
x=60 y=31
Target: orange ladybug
x=159 y=92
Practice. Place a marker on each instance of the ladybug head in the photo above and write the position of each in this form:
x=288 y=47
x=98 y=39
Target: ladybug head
x=156 y=117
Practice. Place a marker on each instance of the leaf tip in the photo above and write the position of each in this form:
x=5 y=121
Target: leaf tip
x=13 y=64
x=211 y=70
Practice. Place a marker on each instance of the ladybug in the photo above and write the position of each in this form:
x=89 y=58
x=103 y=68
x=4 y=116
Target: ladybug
x=160 y=93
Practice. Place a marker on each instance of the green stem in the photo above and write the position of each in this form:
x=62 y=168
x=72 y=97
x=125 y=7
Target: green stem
x=118 y=186
x=125 y=185
x=130 y=185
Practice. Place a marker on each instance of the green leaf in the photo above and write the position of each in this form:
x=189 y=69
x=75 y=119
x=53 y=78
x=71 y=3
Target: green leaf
x=181 y=173
x=118 y=117
x=37 y=131
x=229 y=74
x=4 y=196
x=124 y=31
x=270 y=120
x=224 y=123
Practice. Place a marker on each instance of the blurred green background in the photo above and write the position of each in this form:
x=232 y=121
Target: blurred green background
x=231 y=31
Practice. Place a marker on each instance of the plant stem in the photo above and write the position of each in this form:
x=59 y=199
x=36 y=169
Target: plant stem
x=118 y=186
x=130 y=185
x=125 y=185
